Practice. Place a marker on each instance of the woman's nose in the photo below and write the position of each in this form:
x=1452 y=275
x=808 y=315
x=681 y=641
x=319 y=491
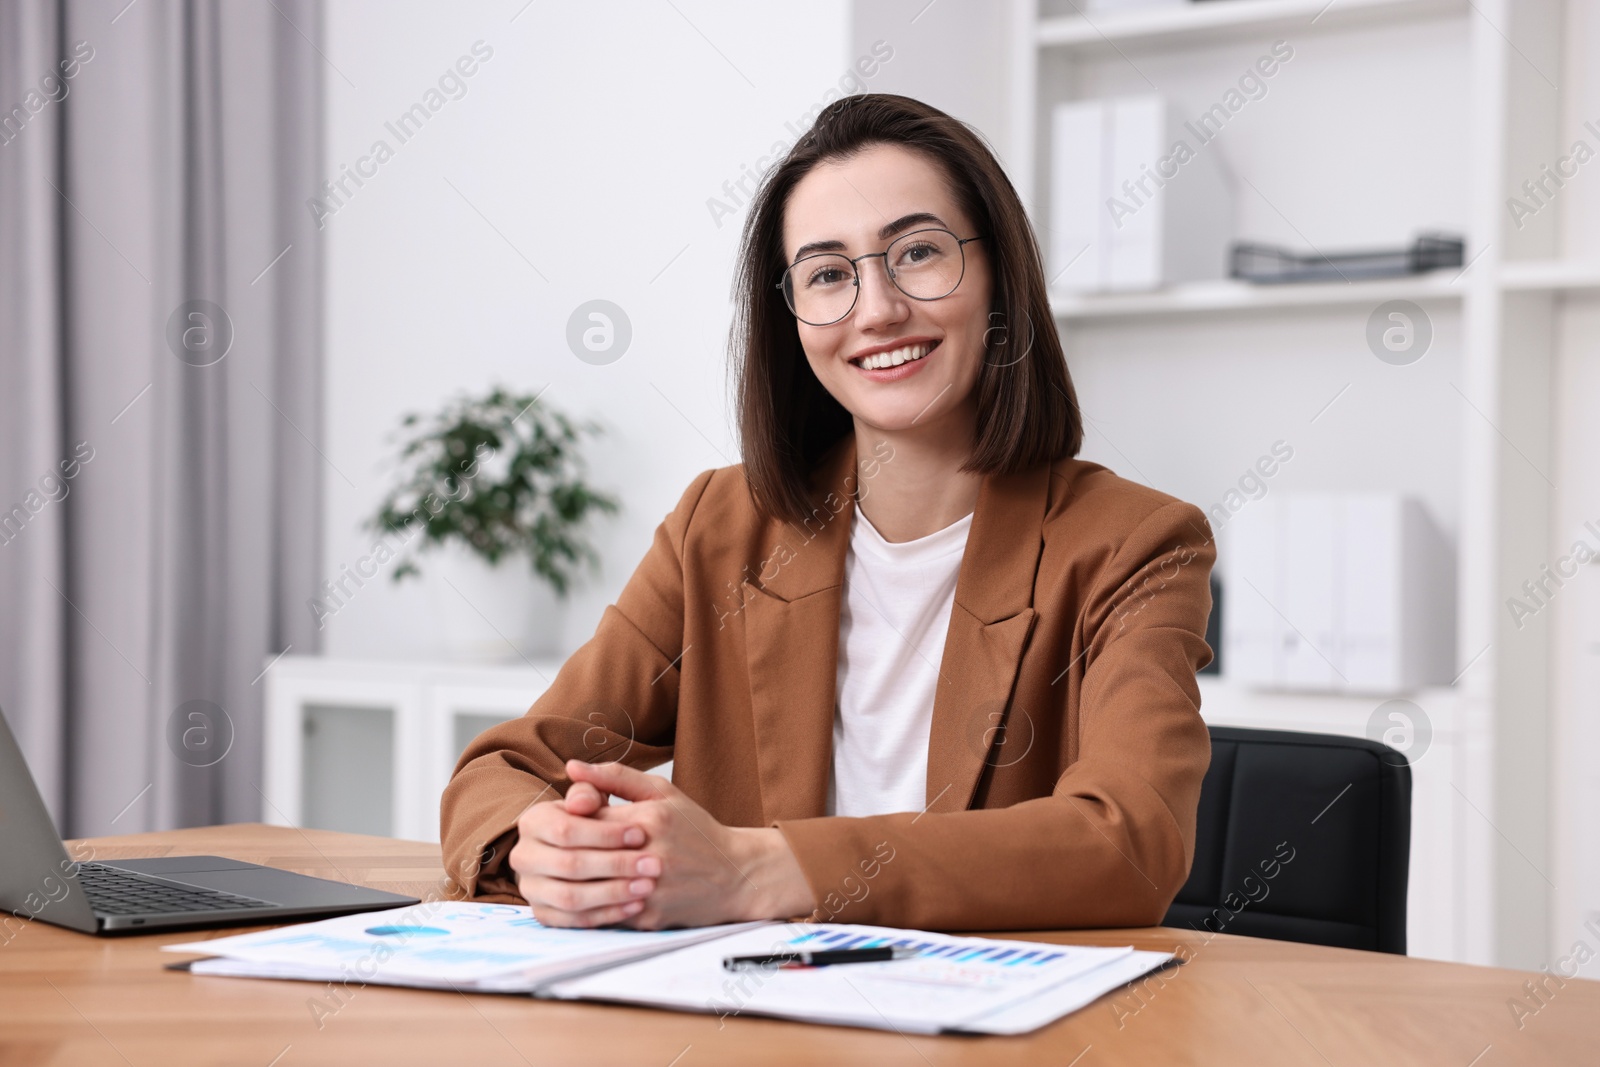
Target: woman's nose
x=879 y=300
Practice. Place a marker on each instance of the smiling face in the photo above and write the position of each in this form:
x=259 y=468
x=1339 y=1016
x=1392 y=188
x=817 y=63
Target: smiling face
x=858 y=206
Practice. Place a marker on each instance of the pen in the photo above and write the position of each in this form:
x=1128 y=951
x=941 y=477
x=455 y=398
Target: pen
x=820 y=959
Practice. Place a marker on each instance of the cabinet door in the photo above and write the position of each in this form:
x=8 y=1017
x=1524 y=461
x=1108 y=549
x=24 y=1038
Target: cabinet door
x=338 y=751
x=455 y=713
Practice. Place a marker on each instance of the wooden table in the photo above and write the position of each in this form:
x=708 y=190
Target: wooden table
x=66 y=998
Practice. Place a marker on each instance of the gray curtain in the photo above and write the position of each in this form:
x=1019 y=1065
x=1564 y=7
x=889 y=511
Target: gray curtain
x=160 y=325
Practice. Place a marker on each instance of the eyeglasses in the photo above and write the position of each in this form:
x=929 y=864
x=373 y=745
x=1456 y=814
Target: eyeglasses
x=923 y=264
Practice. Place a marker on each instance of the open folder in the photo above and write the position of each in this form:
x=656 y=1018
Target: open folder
x=951 y=984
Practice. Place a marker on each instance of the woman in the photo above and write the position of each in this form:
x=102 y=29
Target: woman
x=915 y=664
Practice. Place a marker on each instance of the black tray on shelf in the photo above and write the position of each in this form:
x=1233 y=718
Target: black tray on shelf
x=1270 y=264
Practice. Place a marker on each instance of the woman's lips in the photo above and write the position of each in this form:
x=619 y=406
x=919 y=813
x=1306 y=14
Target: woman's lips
x=898 y=372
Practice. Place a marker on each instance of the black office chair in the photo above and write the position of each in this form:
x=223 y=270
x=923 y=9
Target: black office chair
x=1301 y=837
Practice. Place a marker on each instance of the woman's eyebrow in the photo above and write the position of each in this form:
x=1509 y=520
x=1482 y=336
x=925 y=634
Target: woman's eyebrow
x=899 y=225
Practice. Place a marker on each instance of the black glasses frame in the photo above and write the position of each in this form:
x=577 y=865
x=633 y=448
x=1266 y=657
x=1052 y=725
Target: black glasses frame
x=788 y=290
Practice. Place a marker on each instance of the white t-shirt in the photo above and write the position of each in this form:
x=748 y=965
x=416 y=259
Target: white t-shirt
x=893 y=618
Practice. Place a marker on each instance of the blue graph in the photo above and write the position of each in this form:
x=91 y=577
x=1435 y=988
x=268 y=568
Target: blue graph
x=407 y=931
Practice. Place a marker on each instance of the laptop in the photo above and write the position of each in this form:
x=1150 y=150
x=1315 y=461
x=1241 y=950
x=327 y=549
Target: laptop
x=38 y=880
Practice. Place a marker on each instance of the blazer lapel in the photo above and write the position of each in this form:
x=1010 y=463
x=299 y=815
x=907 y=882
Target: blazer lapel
x=993 y=618
x=792 y=644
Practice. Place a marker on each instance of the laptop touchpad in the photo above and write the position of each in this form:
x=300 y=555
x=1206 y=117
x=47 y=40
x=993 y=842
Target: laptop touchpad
x=282 y=887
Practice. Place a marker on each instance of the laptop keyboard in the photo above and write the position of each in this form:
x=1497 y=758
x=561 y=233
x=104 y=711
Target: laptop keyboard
x=112 y=891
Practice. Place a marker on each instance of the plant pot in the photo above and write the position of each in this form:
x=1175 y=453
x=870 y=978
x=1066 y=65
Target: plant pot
x=484 y=614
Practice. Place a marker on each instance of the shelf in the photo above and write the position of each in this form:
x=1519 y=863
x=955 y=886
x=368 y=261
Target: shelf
x=1221 y=20
x=1225 y=296
x=1533 y=275
x=534 y=673
x=1225 y=686
x=1451 y=712
x=1233 y=296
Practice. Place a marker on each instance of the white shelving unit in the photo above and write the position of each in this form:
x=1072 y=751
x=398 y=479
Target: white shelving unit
x=1528 y=276
x=1233 y=296
x=1395 y=116
x=1550 y=275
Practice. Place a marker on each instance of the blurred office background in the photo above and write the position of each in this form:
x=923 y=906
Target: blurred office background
x=240 y=242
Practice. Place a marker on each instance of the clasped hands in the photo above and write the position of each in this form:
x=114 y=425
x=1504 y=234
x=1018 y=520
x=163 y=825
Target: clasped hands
x=661 y=861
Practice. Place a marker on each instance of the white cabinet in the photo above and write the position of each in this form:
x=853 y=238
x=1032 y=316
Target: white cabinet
x=1338 y=592
x=367 y=746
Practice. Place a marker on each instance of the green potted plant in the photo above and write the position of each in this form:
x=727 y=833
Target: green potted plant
x=493 y=479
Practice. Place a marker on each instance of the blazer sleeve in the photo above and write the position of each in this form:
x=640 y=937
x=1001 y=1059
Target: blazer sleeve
x=1112 y=843
x=614 y=699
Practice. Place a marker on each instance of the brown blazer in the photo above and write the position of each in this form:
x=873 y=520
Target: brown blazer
x=1066 y=751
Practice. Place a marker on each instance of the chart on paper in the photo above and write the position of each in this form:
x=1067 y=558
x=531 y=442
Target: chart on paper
x=952 y=983
x=944 y=963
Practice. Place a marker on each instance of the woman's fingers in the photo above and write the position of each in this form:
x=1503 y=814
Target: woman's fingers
x=583 y=864
x=602 y=916
x=576 y=897
x=620 y=780
x=550 y=823
x=585 y=799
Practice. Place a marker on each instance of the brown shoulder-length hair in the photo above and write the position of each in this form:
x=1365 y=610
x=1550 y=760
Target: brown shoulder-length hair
x=1027 y=407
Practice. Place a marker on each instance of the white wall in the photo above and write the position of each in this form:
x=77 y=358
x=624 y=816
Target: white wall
x=590 y=142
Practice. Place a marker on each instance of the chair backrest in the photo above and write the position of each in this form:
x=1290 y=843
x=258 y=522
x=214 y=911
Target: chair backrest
x=1301 y=837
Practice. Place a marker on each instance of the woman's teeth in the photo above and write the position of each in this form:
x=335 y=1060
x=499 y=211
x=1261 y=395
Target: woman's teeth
x=894 y=358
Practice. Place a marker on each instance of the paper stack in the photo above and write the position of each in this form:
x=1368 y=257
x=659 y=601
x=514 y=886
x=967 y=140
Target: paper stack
x=953 y=984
